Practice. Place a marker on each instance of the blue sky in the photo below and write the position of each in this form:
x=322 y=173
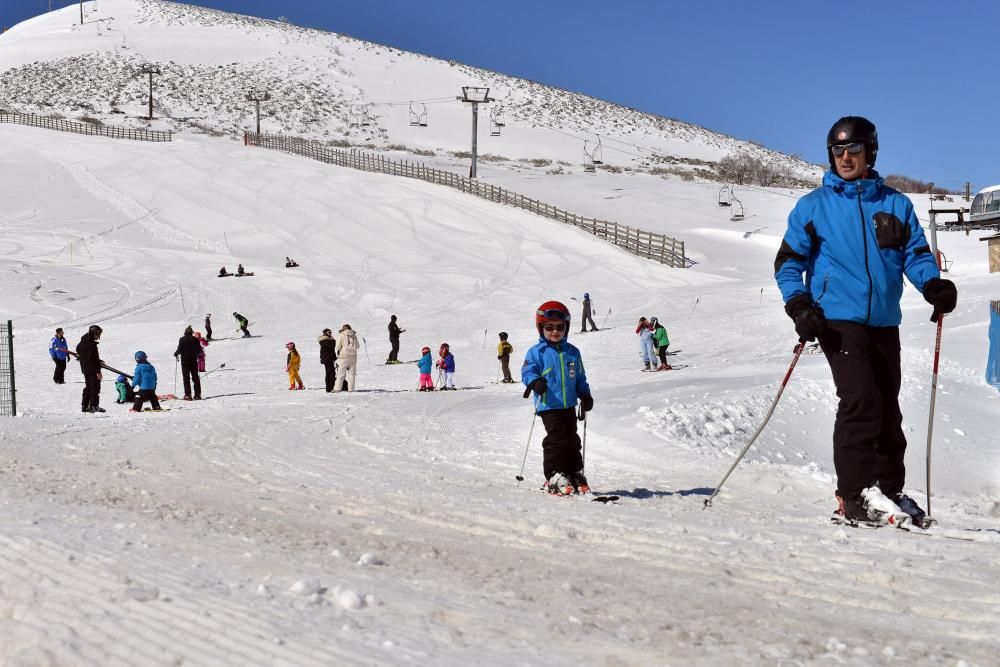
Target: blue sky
x=778 y=72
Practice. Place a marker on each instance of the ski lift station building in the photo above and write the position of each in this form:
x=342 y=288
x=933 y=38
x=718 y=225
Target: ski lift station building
x=984 y=213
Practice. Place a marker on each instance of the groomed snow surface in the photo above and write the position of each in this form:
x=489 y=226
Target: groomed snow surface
x=268 y=527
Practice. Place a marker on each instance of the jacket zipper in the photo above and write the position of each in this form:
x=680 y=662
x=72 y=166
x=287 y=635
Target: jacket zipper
x=562 y=376
x=864 y=239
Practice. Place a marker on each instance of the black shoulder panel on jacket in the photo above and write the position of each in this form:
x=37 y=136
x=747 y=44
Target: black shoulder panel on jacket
x=922 y=250
x=786 y=253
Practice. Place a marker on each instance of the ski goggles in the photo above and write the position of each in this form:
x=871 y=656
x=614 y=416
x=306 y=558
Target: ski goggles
x=553 y=314
x=554 y=326
x=852 y=148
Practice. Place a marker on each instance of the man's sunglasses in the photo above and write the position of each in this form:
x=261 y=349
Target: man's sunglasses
x=853 y=149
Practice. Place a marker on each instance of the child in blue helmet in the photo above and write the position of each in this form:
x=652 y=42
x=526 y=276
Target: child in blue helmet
x=125 y=394
x=144 y=383
x=553 y=370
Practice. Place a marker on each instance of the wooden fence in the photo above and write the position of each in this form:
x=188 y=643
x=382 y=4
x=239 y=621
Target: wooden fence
x=657 y=247
x=85 y=128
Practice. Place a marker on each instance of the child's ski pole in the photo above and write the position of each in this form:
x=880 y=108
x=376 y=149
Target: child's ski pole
x=484 y=339
x=176 y=363
x=606 y=318
x=520 y=475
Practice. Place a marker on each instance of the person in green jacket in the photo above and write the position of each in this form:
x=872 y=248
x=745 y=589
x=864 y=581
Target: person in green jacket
x=661 y=341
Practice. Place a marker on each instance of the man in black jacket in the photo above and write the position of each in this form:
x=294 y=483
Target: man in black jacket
x=187 y=351
x=328 y=357
x=394 y=332
x=90 y=366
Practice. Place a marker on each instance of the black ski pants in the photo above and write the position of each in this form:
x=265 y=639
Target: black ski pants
x=189 y=371
x=331 y=374
x=91 y=391
x=146 y=395
x=868 y=441
x=561 y=446
x=59 y=376
x=587 y=318
x=208 y=332
x=394 y=352
x=243 y=328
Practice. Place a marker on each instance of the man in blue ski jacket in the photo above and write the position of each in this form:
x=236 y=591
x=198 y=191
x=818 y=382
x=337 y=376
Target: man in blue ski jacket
x=59 y=351
x=553 y=370
x=840 y=269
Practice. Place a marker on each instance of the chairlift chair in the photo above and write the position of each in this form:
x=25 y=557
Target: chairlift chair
x=418 y=118
x=737 y=209
x=598 y=152
x=724 y=194
x=588 y=161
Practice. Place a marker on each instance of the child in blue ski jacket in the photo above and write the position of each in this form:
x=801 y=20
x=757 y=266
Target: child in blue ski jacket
x=144 y=383
x=425 y=364
x=59 y=351
x=553 y=370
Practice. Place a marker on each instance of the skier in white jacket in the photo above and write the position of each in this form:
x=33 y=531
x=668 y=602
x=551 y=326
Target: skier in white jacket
x=347 y=358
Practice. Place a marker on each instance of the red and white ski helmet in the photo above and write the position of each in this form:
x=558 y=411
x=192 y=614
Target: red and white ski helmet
x=551 y=311
x=290 y=345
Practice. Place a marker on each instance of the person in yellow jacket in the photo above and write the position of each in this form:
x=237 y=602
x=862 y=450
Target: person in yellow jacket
x=292 y=367
x=504 y=350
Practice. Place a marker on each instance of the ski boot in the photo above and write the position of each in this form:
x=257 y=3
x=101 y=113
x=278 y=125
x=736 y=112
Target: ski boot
x=580 y=482
x=560 y=485
x=917 y=515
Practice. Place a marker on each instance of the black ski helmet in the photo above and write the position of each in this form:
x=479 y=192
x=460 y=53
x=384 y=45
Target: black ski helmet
x=853 y=129
x=503 y=335
x=95 y=330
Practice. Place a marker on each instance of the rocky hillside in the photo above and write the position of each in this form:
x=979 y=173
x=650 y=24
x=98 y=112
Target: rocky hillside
x=327 y=86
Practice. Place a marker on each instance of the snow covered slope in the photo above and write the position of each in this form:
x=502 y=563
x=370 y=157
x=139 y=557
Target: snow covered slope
x=263 y=526
x=319 y=82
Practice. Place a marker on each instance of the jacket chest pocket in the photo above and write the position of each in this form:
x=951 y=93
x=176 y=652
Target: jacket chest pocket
x=890 y=231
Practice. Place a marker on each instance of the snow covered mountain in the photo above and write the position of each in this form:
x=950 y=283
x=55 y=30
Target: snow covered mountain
x=324 y=86
x=263 y=526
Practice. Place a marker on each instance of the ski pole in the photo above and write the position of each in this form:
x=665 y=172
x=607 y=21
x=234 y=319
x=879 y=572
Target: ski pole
x=366 y=350
x=606 y=318
x=499 y=371
x=774 y=404
x=583 y=453
x=176 y=362
x=695 y=304
x=520 y=475
x=220 y=366
x=484 y=339
x=930 y=413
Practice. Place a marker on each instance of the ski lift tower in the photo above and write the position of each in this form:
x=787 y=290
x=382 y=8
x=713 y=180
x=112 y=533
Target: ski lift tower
x=475 y=96
x=258 y=96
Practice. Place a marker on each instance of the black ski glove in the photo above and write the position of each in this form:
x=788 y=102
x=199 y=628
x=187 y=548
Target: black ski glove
x=942 y=295
x=808 y=317
x=540 y=386
x=499 y=356
x=586 y=402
